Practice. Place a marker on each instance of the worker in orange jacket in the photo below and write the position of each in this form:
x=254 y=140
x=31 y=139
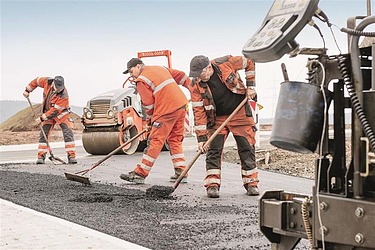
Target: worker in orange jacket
x=165 y=105
x=216 y=91
x=55 y=108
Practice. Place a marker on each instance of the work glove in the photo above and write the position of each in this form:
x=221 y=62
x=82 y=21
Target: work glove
x=41 y=119
x=38 y=121
x=26 y=94
x=251 y=93
x=147 y=125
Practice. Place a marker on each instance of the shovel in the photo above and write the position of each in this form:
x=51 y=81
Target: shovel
x=52 y=158
x=79 y=176
x=163 y=191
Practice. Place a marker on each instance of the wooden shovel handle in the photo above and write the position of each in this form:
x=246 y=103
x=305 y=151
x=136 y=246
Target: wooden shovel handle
x=217 y=131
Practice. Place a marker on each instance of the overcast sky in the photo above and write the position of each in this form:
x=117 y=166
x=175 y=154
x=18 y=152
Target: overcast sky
x=89 y=42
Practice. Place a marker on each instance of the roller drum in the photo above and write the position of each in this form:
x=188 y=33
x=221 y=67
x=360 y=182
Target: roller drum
x=101 y=143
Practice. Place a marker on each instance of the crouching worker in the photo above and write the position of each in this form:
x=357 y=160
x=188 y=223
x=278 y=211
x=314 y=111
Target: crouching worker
x=55 y=108
x=165 y=106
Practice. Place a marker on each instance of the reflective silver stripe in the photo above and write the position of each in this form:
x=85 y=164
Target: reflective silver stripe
x=178 y=156
x=43 y=150
x=209 y=107
x=163 y=84
x=70 y=149
x=244 y=62
x=59 y=107
x=69 y=143
x=147 y=81
x=211 y=181
x=37 y=81
x=213 y=171
x=62 y=114
x=197 y=104
x=43 y=144
x=28 y=87
x=148 y=158
x=183 y=80
x=179 y=164
x=145 y=167
x=250 y=73
x=249 y=172
x=149 y=106
x=200 y=127
x=249 y=180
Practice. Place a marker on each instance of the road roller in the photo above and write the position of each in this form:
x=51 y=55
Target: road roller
x=111 y=119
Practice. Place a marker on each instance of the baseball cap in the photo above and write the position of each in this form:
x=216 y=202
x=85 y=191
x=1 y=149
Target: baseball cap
x=59 y=83
x=132 y=63
x=197 y=64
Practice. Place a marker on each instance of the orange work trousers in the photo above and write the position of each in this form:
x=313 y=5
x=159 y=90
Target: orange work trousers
x=170 y=128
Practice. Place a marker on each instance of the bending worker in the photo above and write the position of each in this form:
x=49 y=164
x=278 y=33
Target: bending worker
x=165 y=105
x=55 y=108
x=216 y=91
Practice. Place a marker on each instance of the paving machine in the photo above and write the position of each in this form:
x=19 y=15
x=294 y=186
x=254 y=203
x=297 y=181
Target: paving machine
x=112 y=118
x=340 y=212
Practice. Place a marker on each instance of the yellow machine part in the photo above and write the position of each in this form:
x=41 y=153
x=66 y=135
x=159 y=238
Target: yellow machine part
x=104 y=142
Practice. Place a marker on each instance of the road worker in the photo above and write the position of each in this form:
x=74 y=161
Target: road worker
x=55 y=109
x=216 y=91
x=165 y=105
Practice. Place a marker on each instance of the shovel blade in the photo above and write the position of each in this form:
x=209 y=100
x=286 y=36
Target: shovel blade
x=159 y=191
x=78 y=178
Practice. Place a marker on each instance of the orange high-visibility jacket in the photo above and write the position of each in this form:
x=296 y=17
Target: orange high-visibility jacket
x=57 y=107
x=201 y=96
x=159 y=90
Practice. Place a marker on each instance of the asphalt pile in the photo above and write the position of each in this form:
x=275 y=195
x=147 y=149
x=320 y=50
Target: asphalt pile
x=130 y=214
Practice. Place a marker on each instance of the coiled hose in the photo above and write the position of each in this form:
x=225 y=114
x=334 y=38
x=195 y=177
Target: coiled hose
x=357 y=32
x=355 y=101
x=305 y=218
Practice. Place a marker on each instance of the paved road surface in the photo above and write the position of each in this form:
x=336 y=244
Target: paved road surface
x=232 y=191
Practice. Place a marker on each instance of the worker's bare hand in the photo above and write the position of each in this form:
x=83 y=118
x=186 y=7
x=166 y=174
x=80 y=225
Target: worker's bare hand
x=26 y=94
x=251 y=93
x=202 y=147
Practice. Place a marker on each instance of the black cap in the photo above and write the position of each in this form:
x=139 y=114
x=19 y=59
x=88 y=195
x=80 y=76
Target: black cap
x=59 y=83
x=197 y=64
x=132 y=63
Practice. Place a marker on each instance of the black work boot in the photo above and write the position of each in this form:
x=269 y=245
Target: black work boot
x=41 y=160
x=213 y=192
x=252 y=190
x=72 y=160
x=133 y=177
x=177 y=173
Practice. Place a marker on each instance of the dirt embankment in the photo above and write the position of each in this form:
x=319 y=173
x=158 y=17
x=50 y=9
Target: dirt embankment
x=22 y=128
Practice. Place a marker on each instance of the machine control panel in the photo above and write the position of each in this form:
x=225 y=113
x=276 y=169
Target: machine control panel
x=275 y=37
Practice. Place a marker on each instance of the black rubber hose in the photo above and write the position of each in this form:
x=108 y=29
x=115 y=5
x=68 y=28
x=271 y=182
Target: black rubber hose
x=357 y=32
x=355 y=102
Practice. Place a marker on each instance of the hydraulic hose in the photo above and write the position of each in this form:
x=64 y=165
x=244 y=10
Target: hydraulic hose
x=355 y=102
x=305 y=218
x=357 y=32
